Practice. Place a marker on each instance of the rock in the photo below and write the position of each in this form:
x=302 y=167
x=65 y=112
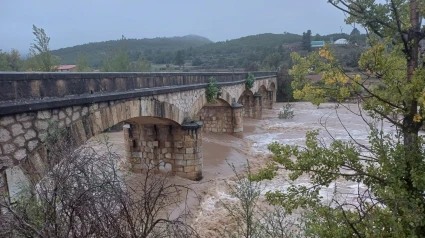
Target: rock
x=76 y=108
x=5 y=161
x=20 y=154
x=9 y=148
x=166 y=168
x=67 y=121
x=30 y=134
x=62 y=115
x=44 y=114
x=27 y=124
x=41 y=125
x=85 y=111
x=4 y=135
x=17 y=129
x=25 y=116
x=75 y=116
x=33 y=144
x=4 y=121
x=42 y=136
x=68 y=111
x=19 y=141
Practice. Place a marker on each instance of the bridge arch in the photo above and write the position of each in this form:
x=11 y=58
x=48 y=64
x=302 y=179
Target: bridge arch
x=85 y=122
x=246 y=99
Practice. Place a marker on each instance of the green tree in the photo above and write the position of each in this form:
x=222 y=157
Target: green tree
x=306 y=41
x=82 y=63
x=390 y=168
x=43 y=60
x=14 y=60
x=197 y=61
x=272 y=61
x=141 y=65
x=179 y=58
x=4 y=65
x=118 y=60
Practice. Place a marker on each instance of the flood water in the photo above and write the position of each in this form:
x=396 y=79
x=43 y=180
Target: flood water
x=220 y=150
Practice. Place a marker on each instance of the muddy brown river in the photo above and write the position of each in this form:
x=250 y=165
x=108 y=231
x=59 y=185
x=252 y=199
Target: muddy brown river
x=221 y=149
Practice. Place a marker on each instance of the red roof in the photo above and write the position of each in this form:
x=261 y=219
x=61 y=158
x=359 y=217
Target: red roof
x=65 y=67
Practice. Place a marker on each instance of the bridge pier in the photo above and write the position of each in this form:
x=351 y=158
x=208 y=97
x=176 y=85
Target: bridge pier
x=165 y=148
x=257 y=111
x=270 y=97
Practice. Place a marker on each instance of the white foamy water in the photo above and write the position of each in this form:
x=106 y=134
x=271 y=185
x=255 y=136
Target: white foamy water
x=291 y=132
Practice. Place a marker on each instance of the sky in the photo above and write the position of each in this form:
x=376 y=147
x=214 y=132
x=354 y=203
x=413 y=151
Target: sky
x=75 y=22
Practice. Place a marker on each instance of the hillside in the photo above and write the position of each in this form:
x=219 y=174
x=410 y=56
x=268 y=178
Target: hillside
x=256 y=52
x=96 y=50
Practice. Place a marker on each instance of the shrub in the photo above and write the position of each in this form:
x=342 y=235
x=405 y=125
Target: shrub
x=287 y=112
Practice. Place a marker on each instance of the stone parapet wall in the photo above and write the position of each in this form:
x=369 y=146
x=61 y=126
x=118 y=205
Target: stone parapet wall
x=19 y=86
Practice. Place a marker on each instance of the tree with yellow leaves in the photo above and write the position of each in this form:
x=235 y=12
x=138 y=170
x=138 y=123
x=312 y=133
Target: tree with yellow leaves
x=390 y=87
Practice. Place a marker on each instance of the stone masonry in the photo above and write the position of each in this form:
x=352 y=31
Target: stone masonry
x=166 y=148
x=88 y=104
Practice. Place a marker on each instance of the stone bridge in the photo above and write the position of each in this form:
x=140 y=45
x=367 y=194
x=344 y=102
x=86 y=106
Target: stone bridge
x=165 y=115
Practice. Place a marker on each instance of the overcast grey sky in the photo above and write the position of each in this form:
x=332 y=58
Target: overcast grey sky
x=75 y=22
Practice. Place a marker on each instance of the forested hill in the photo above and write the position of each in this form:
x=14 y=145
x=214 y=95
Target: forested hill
x=95 y=51
x=263 y=51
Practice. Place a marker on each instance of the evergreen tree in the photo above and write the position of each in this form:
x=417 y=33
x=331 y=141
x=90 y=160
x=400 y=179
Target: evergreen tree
x=42 y=59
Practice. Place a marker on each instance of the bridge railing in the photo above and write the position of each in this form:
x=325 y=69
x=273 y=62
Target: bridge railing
x=26 y=86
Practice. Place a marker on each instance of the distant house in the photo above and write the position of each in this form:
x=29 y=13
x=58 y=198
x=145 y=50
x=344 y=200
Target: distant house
x=67 y=68
x=341 y=41
x=317 y=44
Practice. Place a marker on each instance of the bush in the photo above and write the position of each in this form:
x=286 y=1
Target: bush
x=287 y=112
x=249 y=83
x=212 y=90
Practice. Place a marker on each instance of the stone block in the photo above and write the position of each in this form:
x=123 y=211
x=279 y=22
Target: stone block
x=150 y=144
x=178 y=144
x=167 y=144
x=189 y=150
x=164 y=150
x=25 y=117
x=189 y=156
x=85 y=111
x=188 y=144
x=46 y=114
x=137 y=154
x=6 y=120
x=20 y=154
x=166 y=168
x=4 y=135
x=168 y=155
x=188 y=169
x=180 y=162
x=5 y=161
x=68 y=121
x=75 y=116
x=188 y=138
x=192 y=162
x=9 y=148
x=32 y=144
x=76 y=108
x=19 y=141
x=178 y=156
x=17 y=129
x=155 y=143
x=27 y=124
